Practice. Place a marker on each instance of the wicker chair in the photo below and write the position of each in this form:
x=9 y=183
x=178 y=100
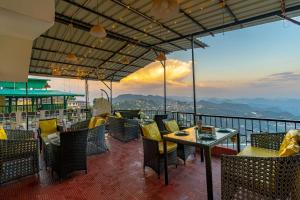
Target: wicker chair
x=95 y=139
x=183 y=151
x=159 y=121
x=153 y=158
x=123 y=129
x=70 y=155
x=45 y=147
x=245 y=177
x=129 y=114
x=18 y=155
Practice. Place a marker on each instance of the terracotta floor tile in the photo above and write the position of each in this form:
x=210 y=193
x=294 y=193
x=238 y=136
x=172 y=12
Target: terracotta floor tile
x=117 y=175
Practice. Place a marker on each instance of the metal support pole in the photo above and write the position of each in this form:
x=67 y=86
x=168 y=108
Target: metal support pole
x=105 y=94
x=194 y=80
x=165 y=88
x=111 y=91
x=26 y=105
x=86 y=96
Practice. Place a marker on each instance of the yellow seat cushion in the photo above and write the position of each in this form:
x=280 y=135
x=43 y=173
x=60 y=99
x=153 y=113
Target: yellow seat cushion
x=118 y=115
x=171 y=125
x=47 y=127
x=99 y=122
x=171 y=146
x=258 y=152
x=151 y=131
x=290 y=144
x=3 y=135
x=92 y=122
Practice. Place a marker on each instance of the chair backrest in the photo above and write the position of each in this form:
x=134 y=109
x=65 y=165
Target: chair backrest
x=171 y=125
x=130 y=114
x=159 y=121
x=73 y=146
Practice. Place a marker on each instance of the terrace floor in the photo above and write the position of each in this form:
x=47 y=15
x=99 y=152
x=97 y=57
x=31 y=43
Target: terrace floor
x=116 y=175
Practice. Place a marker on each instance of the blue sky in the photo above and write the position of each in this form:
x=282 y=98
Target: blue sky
x=261 y=61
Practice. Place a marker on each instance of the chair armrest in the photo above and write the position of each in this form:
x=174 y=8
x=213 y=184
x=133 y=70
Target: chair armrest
x=80 y=125
x=267 y=140
x=14 y=149
x=19 y=134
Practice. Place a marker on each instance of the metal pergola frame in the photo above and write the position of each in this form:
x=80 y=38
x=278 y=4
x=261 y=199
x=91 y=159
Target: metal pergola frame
x=193 y=22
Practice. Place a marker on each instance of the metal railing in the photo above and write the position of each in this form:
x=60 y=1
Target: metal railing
x=245 y=125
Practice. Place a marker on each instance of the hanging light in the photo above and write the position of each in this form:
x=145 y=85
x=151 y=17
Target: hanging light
x=98 y=30
x=164 y=9
x=161 y=56
x=125 y=61
x=71 y=57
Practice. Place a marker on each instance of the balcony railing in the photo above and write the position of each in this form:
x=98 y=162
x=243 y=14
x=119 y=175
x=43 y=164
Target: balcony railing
x=245 y=125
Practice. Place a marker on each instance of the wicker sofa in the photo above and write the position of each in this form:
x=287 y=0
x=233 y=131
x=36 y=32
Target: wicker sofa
x=263 y=177
x=18 y=155
x=95 y=138
x=123 y=129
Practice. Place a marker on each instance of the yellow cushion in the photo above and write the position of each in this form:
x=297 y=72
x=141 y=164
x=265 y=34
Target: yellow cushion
x=3 y=135
x=48 y=126
x=99 y=122
x=171 y=146
x=118 y=115
x=171 y=126
x=258 y=152
x=151 y=131
x=92 y=122
x=290 y=143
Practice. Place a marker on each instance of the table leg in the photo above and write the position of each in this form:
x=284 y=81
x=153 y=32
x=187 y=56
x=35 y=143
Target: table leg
x=166 y=162
x=209 y=184
x=201 y=154
x=238 y=142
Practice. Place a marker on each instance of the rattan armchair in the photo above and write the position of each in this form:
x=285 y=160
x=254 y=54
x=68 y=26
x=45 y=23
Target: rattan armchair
x=71 y=154
x=183 y=151
x=45 y=147
x=245 y=177
x=153 y=158
x=18 y=155
x=123 y=129
x=96 y=137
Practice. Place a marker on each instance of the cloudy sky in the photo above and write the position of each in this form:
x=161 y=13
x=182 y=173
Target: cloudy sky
x=261 y=61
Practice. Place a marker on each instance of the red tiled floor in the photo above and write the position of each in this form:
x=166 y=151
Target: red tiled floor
x=116 y=175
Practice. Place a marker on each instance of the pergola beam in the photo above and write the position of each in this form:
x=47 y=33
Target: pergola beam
x=91 y=58
x=88 y=46
x=32 y=72
x=129 y=63
x=229 y=10
x=110 y=57
x=120 y=3
x=117 y=21
x=240 y=22
x=289 y=19
x=79 y=65
x=195 y=21
x=115 y=36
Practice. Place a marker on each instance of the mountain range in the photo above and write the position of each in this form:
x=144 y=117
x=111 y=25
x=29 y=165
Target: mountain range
x=259 y=108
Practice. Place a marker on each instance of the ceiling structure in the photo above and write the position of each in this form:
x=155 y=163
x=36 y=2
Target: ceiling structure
x=133 y=34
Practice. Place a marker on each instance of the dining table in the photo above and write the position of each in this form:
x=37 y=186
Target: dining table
x=206 y=141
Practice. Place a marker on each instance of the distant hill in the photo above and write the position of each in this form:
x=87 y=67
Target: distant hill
x=226 y=107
